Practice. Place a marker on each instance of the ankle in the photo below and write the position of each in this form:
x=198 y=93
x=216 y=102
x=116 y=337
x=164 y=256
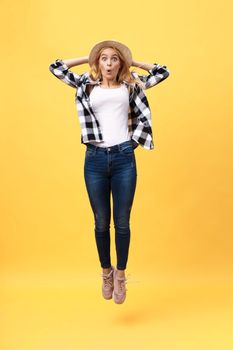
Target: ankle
x=120 y=273
x=107 y=270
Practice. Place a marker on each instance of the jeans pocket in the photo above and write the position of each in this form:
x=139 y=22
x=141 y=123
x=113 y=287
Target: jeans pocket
x=128 y=151
x=89 y=152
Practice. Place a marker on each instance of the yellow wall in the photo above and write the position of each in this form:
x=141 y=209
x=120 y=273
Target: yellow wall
x=180 y=292
x=181 y=218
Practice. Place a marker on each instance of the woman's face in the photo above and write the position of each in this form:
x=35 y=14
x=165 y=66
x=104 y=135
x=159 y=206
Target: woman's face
x=109 y=63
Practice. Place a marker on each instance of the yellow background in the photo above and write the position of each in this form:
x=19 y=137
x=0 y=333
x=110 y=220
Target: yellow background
x=180 y=261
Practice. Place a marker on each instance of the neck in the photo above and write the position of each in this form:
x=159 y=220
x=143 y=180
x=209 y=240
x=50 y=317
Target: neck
x=109 y=83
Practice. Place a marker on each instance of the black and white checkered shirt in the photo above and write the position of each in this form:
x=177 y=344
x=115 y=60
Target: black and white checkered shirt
x=139 y=114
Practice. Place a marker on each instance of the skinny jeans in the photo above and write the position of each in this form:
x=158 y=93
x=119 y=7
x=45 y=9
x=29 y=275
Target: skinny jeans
x=111 y=171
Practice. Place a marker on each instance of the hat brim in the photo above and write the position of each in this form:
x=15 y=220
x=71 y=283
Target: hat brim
x=121 y=47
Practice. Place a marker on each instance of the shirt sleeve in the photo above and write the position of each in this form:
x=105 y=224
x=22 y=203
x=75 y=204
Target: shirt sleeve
x=62 y=72
x=157 y=74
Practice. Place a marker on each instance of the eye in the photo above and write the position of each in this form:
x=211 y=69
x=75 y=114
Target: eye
x=104 y=58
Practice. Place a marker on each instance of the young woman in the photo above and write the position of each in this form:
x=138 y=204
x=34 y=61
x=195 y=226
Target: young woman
x=115 y=118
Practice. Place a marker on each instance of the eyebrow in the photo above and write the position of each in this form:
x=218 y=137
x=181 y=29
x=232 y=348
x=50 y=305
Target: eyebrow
x=104 y=54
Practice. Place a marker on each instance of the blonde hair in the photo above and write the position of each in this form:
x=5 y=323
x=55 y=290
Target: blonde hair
x=123 y=73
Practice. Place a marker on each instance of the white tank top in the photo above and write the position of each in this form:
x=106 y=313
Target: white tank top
x=110 y=106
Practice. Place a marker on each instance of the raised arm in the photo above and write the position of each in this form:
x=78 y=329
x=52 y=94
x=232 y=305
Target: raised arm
x=60 y=68
x=157 y=73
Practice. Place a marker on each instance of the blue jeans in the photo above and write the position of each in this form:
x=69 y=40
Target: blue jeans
x=111 y=169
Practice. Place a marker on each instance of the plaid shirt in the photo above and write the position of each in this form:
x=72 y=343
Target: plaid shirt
x=139 y=113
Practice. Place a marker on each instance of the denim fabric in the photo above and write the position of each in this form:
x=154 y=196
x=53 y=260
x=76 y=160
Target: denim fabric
x=111 y=170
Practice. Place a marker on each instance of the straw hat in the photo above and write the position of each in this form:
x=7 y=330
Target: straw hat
x=121 y=47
